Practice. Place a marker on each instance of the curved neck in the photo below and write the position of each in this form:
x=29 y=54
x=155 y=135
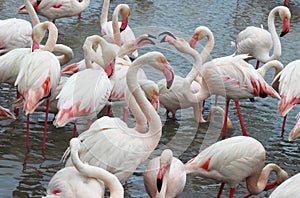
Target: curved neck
x=257 y=185
x=104 y=12
x=52 y=36
x=34 y=17
x=276 y=42
x=112 y=182
x=208 y=47
x=67 y=53
x=196 y=66
x=271 y=64
x=140 y=119
x=155 y=126
x=115 y=25
x=90 y=54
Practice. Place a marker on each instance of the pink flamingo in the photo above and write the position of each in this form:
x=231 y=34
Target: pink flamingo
x=295 y=133
x=57 y=9
x=109 y=139
x=83 y=180
x=178 y=97
x=86 y=93
x=39 y=74
x=164 y=176
x=288 y=91
x=258 y=42
x=6 y=113
x=234 y=160
x=233 y=78
x=289 y=188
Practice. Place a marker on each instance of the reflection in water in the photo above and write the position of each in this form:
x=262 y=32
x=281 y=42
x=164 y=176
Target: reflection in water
x=26 y=173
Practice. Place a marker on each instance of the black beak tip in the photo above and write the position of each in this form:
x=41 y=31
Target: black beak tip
x=169 y=84
x=283 y=33
x=131 y=57
x=151 y=36
x=163 y=39
x=121 y=30
x=158 y=184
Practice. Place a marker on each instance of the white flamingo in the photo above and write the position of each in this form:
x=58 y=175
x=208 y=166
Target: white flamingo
x=288 y=89
x=83 y=180
x=289 y=188
x=109 y=29
x=39 y=74
x=178 y=97
x=258 y=42
x=57 y=9
x=110 y=143
x=86 y=93
x=164 y=176
x=234 y=160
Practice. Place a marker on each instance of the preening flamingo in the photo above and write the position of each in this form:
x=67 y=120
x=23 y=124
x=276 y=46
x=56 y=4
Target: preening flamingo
x=110 y=143
x=109 y=29
x=258 y=42
x=289 y=188
x=6 y=113
x=233 y=78
x=83 y=180
x=86 y=93
x=295 y=133
x=164 y=176
x=39 y=74
x=234 y=160
x=178 y=97
x=57 y=9
x=288 y=89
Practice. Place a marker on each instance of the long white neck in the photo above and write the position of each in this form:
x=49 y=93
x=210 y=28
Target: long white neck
x=112 y=182
x=115 y=25
x=257 y=185
x=140 y=119
x=104 y=13
x=196 y=66
x=155 y=126
x=278 y=66
x=67 y=53
x=52 y=36
x=34 y=17
x=276 y=42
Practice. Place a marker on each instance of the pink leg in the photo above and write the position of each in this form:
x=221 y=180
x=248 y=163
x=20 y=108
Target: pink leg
x=225 y=119
x=220 y=190
x=108 y=110
x=173 y=116
x=16 y=110
x=283 y=124
x=231 y=192
x=125 y=114
x=286 y=3
x=241 y=118
x=27 y=130
x=88 y=124
x=257 y=64
x=45 y=125
x=75 y=130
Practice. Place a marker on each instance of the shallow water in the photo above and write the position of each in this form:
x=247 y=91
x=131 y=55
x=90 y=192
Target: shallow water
x=26 y=172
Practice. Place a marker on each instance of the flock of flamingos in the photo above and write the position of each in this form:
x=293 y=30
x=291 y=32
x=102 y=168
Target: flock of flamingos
x=109 y=151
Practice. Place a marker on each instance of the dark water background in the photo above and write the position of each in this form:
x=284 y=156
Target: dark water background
x=26 y=172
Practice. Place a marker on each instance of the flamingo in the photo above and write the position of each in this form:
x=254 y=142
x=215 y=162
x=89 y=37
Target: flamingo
x=83 y=180
x=295 y=133
x=178 y=97
x=110 y=143
x=233 y=78
x=288 y=89
x=258 y=42
x=39 y=74
x=289 y=188
x=57 y=9
x=109 y=29
x=234 y=160
x=86 y=93
x=6 y=113
x=164 y=176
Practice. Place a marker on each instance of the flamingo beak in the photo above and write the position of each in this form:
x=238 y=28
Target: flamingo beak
x=35 y=45
x=169 y=74
x=170 y=38
x=194 y=40
x=124 y=24
x=110 y=68
x=155 y=100
x=285 y=27
x=160 y=176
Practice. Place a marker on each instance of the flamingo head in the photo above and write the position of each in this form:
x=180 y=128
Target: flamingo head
x=22 y=8
x=285 y=16
x=125 y=13
x=151 y=91
x=165 y=162
x=110 y=68
x=179 y=43
x=199 y=34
